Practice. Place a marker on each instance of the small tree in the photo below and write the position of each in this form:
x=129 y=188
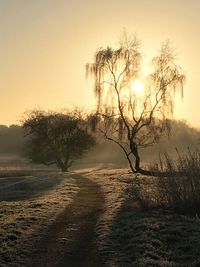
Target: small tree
x=56 y=138
x=129 y=119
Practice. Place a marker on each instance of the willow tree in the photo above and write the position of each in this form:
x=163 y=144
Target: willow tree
x=130 y=119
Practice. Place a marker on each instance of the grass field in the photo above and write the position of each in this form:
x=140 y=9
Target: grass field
x=28 y=205
x=130 y=234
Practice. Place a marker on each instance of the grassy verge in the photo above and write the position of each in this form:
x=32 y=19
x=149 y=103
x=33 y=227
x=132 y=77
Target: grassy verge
x=136 y=230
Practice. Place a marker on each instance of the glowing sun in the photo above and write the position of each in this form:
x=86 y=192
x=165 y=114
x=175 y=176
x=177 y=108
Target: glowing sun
x=137 y=87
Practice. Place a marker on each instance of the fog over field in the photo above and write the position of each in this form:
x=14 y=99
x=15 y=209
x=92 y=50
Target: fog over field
x=12 y=146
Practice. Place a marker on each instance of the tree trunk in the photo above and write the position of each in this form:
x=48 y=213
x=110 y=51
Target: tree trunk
x=134 y=151
x=64 y=169
x=62 y=166
x=137 y=162
x=66 y=165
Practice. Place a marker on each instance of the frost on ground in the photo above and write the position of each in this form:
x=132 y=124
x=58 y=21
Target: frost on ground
x=131 y=235
x=36 y=203
x=113 y=183
x=127 y=232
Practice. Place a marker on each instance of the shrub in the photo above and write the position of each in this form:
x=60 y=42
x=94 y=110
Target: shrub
x=180 y=188
x=177 y=187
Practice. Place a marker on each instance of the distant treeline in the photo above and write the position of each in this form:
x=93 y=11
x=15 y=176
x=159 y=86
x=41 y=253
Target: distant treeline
x=182 y=138
x=12 y=141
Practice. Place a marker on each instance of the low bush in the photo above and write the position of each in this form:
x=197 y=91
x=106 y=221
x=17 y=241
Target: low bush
x=180 y=188
x=177 y=187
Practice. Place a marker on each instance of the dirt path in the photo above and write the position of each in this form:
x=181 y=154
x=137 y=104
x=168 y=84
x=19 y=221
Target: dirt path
x=70 y=240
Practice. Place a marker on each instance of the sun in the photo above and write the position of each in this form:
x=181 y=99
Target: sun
x=137 y=87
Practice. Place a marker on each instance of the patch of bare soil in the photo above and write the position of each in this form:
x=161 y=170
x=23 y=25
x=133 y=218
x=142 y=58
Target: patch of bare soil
x=70 y=240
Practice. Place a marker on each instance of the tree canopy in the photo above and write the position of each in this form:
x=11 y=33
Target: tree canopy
x=56 y=138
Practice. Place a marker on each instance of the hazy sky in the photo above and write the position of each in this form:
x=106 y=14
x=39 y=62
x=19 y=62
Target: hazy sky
x=44 y=45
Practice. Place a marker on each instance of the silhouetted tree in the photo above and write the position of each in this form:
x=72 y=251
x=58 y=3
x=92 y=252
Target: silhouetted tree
x=56 y=138
x=129 y=119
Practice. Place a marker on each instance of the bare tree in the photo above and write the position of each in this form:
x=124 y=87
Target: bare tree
x=129 y=119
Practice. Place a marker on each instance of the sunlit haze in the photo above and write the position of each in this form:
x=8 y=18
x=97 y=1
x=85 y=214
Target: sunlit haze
x=137 y=87
x=44 y=46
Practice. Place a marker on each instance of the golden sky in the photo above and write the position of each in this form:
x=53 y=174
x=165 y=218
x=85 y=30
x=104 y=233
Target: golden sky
x=44 y=45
